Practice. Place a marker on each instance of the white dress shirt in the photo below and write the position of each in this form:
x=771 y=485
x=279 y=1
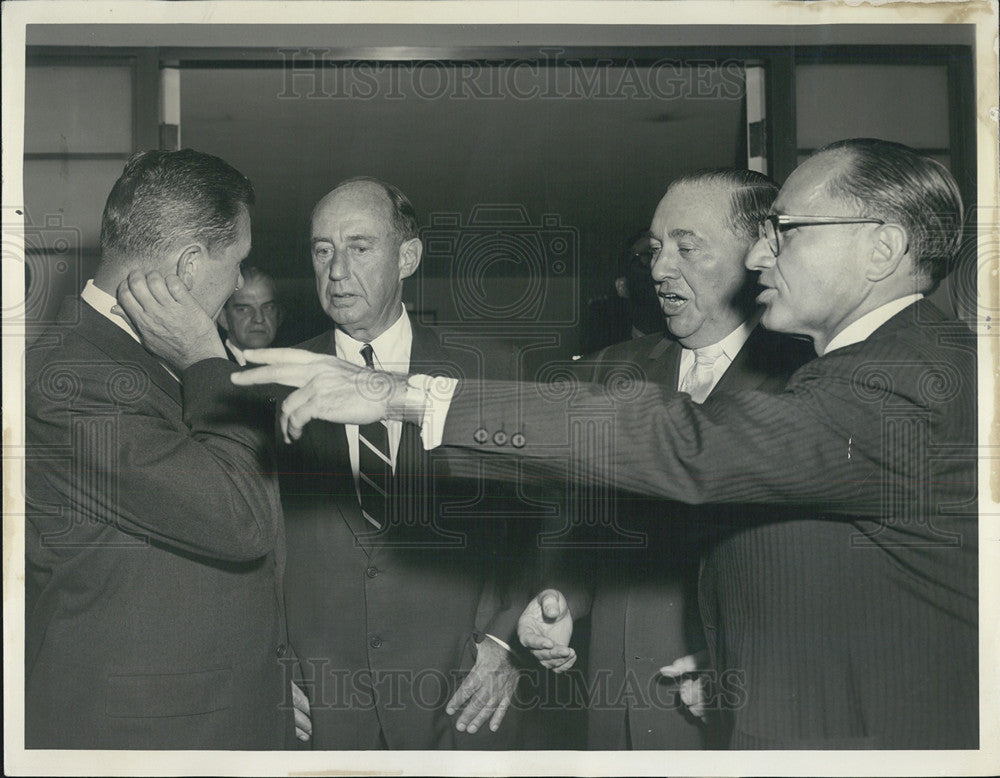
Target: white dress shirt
x=102 y=302
x=731 y=345
x=867 y=324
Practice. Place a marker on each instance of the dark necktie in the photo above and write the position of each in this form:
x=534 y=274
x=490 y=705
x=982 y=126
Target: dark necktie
x=374 y=464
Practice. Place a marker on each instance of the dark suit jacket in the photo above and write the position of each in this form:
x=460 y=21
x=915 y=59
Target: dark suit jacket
x=383 y=622
x=644 y=612
x=832 y=625
x=153 y=552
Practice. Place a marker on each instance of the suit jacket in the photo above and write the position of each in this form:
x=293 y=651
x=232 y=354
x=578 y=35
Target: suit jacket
x=383 y=622
x=830 y=624
x=645 y=604
x=153 y=551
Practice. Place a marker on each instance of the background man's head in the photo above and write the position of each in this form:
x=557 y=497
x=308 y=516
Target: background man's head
x=179 y=212
x=364 y=243
x=826 y=276
x=702 y=230
x=252 y=315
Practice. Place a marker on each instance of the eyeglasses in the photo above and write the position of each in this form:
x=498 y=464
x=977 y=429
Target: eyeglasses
x=775 y=224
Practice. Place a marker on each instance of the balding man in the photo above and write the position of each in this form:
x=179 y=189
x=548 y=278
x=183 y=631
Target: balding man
x=388 y=598
x=852 y=623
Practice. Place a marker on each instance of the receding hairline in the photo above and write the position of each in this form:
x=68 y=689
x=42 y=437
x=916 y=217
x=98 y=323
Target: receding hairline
x=845 y=160
x=329 y=196
x=723 y=189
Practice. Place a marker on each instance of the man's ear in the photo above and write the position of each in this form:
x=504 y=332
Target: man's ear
x=188 y=261
x=410 y=252
x=891 y=245
x=222 y=321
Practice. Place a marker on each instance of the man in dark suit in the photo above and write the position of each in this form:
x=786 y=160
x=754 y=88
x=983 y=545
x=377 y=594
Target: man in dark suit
x=153 y=529
x=388 y=597
x=831 y=624
x=251 y=316
x=644 y=612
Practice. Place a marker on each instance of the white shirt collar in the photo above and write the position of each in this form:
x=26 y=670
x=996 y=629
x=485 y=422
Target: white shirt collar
x=731 y=344
x=237 y=352
x=392 y=347
x=860 y=330
x=102 y=302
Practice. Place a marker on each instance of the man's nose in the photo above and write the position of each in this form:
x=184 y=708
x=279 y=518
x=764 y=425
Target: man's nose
x=760 y=256
x=258 y=315
x=337 y=271
x=664 y=266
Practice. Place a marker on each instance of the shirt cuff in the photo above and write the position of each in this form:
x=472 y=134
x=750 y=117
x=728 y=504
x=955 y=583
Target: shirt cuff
x=433 y=394
x=498 y=640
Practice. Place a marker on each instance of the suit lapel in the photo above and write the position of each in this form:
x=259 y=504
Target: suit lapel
x=328 y=442
x=426 y=356
x=119 y=346
x=746 y=373
x=664 y=363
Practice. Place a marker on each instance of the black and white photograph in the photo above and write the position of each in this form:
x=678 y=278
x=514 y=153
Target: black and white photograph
x=500 y=388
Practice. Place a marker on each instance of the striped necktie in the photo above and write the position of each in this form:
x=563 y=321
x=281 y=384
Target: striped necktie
x=374 y=464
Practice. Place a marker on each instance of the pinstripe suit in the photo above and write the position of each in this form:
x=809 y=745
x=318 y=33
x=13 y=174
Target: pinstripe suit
x=644 y=612
x=850 y=619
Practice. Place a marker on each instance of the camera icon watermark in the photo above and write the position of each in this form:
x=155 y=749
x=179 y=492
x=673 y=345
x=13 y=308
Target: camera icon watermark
x=50 y=252
x=497 y=268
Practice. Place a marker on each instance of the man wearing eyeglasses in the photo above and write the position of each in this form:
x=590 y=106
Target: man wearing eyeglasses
x=852 y=622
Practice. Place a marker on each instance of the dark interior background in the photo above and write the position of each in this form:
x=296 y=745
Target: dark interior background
x=531 y=153
x=595 y=167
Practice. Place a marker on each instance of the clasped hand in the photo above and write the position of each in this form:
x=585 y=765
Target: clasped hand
x=545 y=628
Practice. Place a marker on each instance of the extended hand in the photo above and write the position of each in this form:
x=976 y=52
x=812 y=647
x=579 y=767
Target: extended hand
x=487 y=690
x=545 y=628
x=169 y=320
x=300 y=704
x=327 y=388
x=689 y=671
